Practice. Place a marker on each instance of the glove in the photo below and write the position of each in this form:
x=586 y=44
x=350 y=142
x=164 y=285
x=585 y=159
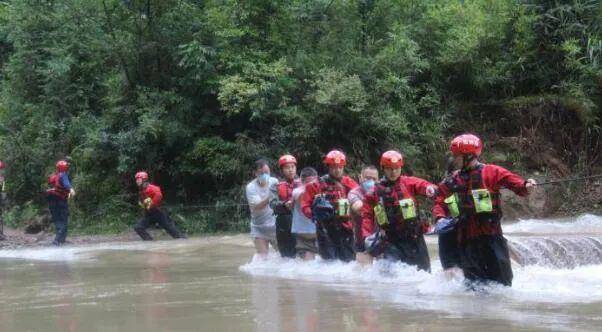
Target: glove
x=444 y=225
x=148 y=202
x=71 y=193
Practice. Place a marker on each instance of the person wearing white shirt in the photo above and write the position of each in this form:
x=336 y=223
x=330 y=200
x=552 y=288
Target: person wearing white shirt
x=263 y=221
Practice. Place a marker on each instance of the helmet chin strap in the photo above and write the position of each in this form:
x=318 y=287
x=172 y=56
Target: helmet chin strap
x=467 y=159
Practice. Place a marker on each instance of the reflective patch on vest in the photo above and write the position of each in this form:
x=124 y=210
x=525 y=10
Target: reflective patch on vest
x=343 y=207
x=408 y=208
x=380 y=215
x=452 y=205
x=482 y=200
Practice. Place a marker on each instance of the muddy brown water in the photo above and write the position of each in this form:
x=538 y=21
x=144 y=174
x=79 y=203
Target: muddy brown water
x=210 y=284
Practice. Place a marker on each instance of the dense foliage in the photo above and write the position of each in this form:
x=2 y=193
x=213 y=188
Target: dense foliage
x=193 y=91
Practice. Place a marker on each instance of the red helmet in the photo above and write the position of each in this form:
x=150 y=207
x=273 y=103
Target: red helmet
x=286 y=159
x=335 y=158
x=466 y=144
x=391 y=159
x=62 y=166
x=142 y=175
x=2 y=165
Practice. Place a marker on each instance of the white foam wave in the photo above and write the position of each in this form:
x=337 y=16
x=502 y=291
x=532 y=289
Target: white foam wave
x=585 y=224
x=89 y=251
x=531 y=283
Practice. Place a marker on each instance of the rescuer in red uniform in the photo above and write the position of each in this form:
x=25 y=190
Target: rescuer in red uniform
x=471 y=196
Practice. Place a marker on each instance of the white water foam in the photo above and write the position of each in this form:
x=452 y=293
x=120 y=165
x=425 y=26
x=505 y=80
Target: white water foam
x=585 y=224
x=90 y=251
x=531 y=283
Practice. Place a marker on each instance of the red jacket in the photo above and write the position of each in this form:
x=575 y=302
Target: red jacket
x=285 y=189
x=154 y=193
x=493 y=178
x=334 y=190
x=404 y=187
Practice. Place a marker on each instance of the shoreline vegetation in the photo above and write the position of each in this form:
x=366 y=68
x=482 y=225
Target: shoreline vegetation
x=194 y=91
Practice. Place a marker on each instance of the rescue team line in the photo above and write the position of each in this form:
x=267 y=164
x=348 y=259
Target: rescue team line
x=338 y=219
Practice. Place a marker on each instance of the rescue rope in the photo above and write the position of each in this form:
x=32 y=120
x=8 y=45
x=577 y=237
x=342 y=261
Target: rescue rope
x=570 y=180
x=206 y=206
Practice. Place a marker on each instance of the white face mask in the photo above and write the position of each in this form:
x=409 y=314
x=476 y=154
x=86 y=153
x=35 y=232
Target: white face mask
x=368 y=185
x=263 y=178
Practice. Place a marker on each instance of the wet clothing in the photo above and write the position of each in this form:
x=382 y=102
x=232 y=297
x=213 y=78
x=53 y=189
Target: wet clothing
x=335 y=241
x=2 y=203
x=335 y=235
x=155 y=214
x=486 y=258
x=356 y=195
x=282 y=193
x=59 y=211
x=301 y=224
x=265 y=232
x=411 y=250
x=404 y=235
x=481 y=246
x=305 y=243
x=57 y=196
x=158 y=217
x=255 y=194
x=449 y=252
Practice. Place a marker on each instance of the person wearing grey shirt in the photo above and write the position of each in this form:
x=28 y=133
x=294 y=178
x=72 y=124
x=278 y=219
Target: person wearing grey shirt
x=303 y=228
x=258 y=193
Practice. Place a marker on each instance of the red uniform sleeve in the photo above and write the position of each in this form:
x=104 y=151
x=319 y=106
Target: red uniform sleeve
x=440 y=208
x=155 y=195
x=416 y=186
x=307 y=199
x=367 y=226
x=496 y=177
x=349 y=183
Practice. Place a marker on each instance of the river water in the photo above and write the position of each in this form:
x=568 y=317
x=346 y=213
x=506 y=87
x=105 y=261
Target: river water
x=212 y=284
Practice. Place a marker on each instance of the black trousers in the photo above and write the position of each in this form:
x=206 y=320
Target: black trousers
x=284 y=237
x=410 y=250
x=449 y=253
x=2 y=237
x=335 y=241
x=486 y=259
x=59 y=210
x=156 y=216
x=2 y=199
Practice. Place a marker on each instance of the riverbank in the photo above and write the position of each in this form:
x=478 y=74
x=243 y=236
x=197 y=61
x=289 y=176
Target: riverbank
x=17 y=238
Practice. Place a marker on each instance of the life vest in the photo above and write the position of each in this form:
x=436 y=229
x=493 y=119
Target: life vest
x=285 y=189
x=56 y=188
x=285 y=193
x=336 y=193
x=470 y=196
x=395 y=208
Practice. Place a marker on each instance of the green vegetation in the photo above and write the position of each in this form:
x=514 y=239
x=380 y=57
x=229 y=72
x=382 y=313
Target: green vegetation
x=193 y=91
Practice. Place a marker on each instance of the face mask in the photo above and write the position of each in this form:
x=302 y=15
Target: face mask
x=368 y=185
x=263 y=178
